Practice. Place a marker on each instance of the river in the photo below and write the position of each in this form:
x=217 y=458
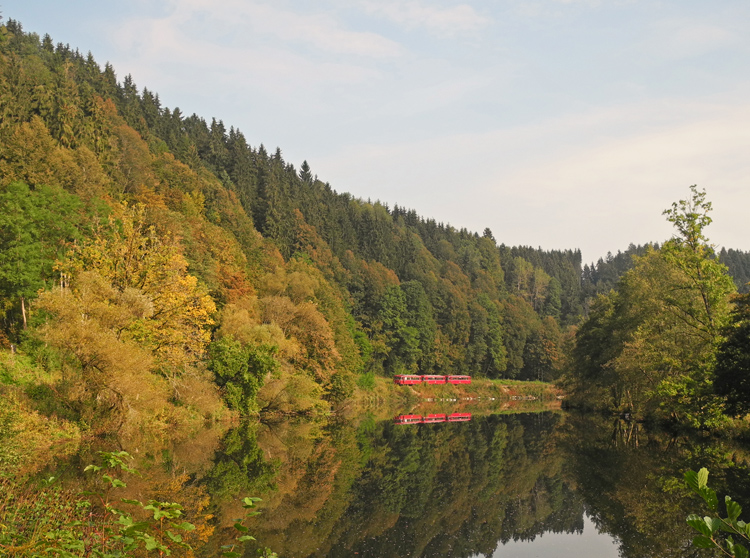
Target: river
x=550 y=484
x=433 y=484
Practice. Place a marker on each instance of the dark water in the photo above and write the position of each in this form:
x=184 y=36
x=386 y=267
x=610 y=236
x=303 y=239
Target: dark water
x=545 y=484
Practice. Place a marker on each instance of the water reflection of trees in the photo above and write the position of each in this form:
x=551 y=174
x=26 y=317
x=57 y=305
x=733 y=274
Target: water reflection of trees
x=382 y=489
x=630 y=478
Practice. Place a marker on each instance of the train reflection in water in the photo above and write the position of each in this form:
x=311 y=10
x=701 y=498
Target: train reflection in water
x=428 y=419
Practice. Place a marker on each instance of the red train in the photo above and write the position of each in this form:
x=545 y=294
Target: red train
x=408 y=419
x=412 y=379
x=407 y=379
x=459 y=379
x=428 y=419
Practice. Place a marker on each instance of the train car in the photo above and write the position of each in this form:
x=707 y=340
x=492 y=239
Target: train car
x=407 y=379
x=408 y=419
x=434 y=418
x=459 y=379
x=433 y=379
x=459 y=417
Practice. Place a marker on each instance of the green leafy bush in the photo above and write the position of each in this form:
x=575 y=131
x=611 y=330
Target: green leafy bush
x=724 y=533
x=54 y=521
x=240 y=370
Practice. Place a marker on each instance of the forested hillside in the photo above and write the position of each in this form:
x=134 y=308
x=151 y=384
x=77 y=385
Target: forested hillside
x=141 y=247
x=155 y=265
x=738 y=264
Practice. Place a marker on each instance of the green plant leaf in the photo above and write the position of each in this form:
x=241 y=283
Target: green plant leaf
x=697 y=523
x=702 y=477
x=701 y=541
x=714 y=524
x=727 y=527
x=133 y=502
x=733 y=509
x=711 y=500
x=140 y=527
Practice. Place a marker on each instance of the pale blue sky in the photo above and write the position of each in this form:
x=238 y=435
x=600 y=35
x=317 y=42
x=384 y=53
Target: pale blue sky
x=556 y=123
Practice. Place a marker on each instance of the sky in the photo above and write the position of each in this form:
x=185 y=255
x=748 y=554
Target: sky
x=559 y=124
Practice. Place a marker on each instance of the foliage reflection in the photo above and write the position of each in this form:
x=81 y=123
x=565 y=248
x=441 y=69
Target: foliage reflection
x=376 y=488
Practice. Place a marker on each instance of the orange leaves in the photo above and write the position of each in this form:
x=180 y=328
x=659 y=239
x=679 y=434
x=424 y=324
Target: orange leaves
x=279 y=311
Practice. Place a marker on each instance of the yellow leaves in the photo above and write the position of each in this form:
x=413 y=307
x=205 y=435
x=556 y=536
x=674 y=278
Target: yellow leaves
x=30 y=155
x=292 y=393
x=242 y=321
x=175 y=311
x=112 y=341
x=301 y=333
x=193 y=203
x=132 y=161
x=305 y=324
x=297 y=285
x=236 y=318
x=86 y=324
x=178 y=330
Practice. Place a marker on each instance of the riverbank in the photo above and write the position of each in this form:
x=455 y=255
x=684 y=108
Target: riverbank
x=384 y=398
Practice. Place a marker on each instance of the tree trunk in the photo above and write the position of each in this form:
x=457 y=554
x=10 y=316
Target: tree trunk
x=23 y=311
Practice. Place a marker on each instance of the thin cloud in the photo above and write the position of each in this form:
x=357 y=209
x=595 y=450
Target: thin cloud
x=684 y=38
x=557 y=8
x=161 y=52
x=598 y=179
x=242 y=22
x=454 y=20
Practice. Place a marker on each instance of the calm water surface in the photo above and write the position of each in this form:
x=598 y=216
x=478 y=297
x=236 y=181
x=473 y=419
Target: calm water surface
x=551 y=484
x=589 y=542
x=545 y=484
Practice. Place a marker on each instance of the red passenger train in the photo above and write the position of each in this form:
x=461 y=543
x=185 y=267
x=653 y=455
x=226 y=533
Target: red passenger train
x=407 y=379
x=413 y=379
x=429 y=419
x=408 y=419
